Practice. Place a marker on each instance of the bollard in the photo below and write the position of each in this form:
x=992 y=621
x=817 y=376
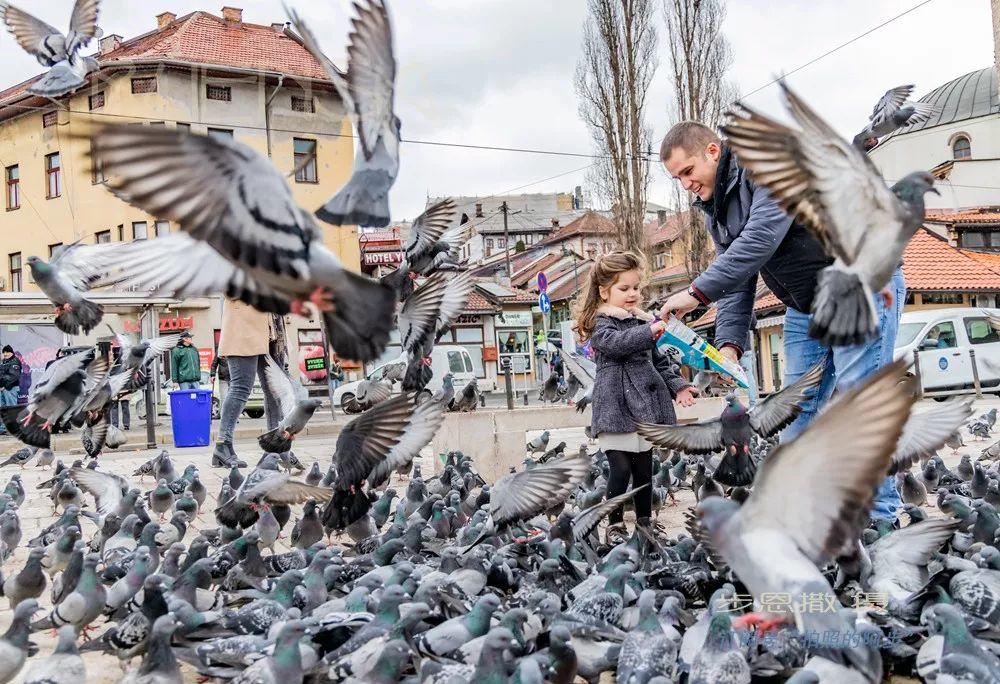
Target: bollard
x=975 y=374
x=482 y=400
x=505 y=364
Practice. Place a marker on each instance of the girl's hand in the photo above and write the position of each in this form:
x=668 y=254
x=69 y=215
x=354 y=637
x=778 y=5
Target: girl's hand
x=657 y=327
x=686 y=396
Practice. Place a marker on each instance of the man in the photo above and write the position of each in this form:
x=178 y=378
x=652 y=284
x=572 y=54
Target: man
x=10 y=379
x=185 y=365
x=335 y=372
x=752 y=236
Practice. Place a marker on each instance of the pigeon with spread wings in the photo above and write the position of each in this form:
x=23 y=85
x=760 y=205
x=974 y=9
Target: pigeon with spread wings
x=242 y=235
x=367 y=90
x=58 y=280
x=430 y=310
x=68 y=69
x=836 y=191
x=584 y=370
x=774 y=543
x=732 y=431
x=892 y=112
x=296 y=410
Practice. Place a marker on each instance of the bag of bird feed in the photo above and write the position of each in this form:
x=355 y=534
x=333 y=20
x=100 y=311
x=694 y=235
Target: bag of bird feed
x=684 y=345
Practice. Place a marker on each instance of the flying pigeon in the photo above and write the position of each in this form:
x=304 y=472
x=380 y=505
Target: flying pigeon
x=296 y=409
x=68 y=69
x=430 y=309
x=836 y=191
x=584 y=370
x=243 y=235
x=733 y=429
x=266 y=485
x=367 y=90
x=434 y=243
x=892 y=112
x=74 y=312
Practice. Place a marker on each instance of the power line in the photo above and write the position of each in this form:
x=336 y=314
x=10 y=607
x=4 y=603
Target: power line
x=839 y=47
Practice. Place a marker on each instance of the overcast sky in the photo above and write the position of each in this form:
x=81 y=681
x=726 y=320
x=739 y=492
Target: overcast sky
x=500 y=72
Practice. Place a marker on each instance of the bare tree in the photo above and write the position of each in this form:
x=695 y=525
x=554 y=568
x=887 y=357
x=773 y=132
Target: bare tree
x=699 y=59
x=612 y=80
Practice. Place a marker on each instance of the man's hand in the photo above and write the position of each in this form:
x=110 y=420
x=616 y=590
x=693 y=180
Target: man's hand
x=678 y=304
x=686 y=396
x=729 y=354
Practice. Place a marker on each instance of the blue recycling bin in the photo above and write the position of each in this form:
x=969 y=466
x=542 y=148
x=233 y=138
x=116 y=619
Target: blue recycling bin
x=191 y=416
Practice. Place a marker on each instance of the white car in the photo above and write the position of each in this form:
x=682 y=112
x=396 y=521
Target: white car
x=445 y=358
x=942 y=340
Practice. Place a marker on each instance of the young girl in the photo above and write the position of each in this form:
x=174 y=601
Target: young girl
x=634 y=383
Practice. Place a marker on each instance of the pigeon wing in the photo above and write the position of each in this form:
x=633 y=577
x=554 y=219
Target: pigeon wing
x=156 y=346
x=523 y=495
x=780 y=409
x=582 y=368
x=586 y=521
x=424 y=424
x=105 y=488
x=295 y=492
x=926 y=432
x=815 y=175
x=219 y=190
x=835 y=464
x=371 y=74
x=369 y=438
x=82 y=24
x=428 y=229
x=419 y=315
x=60 y=371
x=455 y=237
x=282 y=385
x=697 y=438
x=33 y=35
x=889 y=104
x=914 y=544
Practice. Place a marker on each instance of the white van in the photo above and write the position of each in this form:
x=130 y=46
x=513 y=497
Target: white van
x=942 y=339
x=445 y=358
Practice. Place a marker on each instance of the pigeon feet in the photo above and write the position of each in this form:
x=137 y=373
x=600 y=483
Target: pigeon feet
x=761 y=621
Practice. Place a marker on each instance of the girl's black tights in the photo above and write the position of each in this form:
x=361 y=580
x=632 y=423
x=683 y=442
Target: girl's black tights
x=638 y=467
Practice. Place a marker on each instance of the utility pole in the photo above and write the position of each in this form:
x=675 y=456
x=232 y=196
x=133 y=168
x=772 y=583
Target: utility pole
x=506 y=239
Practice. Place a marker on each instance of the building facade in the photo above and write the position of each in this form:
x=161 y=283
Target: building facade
x=206 y=73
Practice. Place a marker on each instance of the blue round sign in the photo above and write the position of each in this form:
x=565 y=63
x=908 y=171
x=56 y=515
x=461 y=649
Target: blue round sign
x=543 y=282
x=544 y=303
x=943 y=363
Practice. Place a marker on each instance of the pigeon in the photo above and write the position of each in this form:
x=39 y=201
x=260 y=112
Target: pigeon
x=64 y=666
x=733 y=429
x=45 y=459
x=550 y=389
x=434 y=243
x=719 y=660
x=14 y=643
x=108 y=490
x=74 y=312
x=367 y=91
x=584 y=370
x=285 y=664
x=159 y=666
x=27 y=584
x=21 y=456
x=539 y=444
x=296 y=409
x=647 y=651
x=161 y=499
x=771 y=544
x=83 y=605
x=468 y=400
x=268 y=254
x=265 y=484
x=892 y=112
x=833 y=188
x=68 y=69
x=431 y=309
x=314 y=476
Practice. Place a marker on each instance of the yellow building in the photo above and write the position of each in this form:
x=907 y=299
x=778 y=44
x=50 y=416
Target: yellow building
x=215 y=75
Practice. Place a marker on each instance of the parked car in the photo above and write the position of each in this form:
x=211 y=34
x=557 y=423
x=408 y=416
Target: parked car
x=942 y=340
x=445 y=358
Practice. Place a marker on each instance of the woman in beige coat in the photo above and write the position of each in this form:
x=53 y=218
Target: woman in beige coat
x=248 y=336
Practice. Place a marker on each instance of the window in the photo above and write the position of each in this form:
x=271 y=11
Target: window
x=96 y=166
x=456 y=362
x=157 y=123
x=489 y=245
x=961 y=148
x=53 y=247
x=303 y=104
x=162 y=228
x=14 y=260
x=50 y=119
x=13 y=176
x=980 y=331
x=941 y=336
x=220 y=133
x=304 y=160
x=907 y=333
x=217 y=92
x=144 y=84
x=139 y=230
x=102 y=237
x=978 y=239
x=96 y=101
x=53 y=176
x=943 y=298
x=184 y=127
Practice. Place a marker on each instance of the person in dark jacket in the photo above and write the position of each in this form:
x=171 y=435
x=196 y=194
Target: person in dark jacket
x=754 y=237
x=10 y=379
x=185 y=365
x=633 y=382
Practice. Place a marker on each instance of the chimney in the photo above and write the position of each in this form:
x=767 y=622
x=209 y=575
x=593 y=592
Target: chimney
x=661 y=214
x=555 y=223
x=164 y=18
x=110 y=43
x=479 y=209
x=279 y=27
x=233 y=14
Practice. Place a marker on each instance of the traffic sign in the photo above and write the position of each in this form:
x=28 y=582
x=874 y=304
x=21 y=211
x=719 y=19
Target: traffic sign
x=544 y=303
x=543 y=282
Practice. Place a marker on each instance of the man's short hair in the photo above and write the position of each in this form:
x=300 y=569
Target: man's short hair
x=690 y=136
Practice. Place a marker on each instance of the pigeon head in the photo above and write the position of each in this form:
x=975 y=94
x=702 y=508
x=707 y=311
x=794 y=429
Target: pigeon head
x=913 y=186
x=38 y=267
x=944 y=618
x=499 y=638
x=26 y=608
x=715 y=511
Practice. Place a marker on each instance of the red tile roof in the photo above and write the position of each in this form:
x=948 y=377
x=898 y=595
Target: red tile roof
x=992 y=260
x=930 y=263
x=670 y=273
x=567 y=288
x=672 y=229
x=764 y=302
x=203 y=38
x=477 y=303
x=981 y=215
x=590 y=223
x=526 y=275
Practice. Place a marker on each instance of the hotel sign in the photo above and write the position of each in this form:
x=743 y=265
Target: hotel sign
x=381 y=258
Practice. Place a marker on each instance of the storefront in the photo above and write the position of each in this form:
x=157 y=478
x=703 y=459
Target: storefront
x=514 y=342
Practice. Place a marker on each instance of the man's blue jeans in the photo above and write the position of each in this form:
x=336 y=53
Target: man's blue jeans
x=189 y=385
x=845 y=368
